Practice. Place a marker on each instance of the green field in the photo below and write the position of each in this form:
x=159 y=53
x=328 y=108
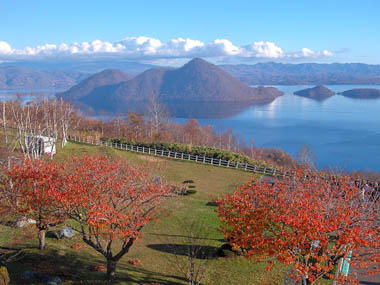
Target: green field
x=75 y=265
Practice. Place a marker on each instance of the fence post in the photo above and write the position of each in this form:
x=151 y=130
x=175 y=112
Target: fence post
x=245 y=168
x=155 y=151
x=175 y=154
x=212 y=161
x=204 y=159
x=188 y=158
x=143 y=149
x=196 y=158
x=220 y=162
x=274 y=172
x=169 y=153
x=237 y=164
x=149 y=150
x=228 y=163
x=181 y=155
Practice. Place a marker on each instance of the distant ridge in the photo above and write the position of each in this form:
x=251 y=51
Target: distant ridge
x=271 y=73
x=317 y=93
x=196 y=81
x=21 y=78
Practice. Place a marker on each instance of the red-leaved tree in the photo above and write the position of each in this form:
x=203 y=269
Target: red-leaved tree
x=309 y=222
x=32 y=189
x=111 y=201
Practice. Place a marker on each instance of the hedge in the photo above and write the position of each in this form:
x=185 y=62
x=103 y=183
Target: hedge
x=210 y=152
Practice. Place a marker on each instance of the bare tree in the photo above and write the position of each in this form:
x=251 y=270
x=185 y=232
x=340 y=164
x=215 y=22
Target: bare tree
x=306 y=157
x=158 y=115
x=65 y=119
x=37 y=122
x=9 y=144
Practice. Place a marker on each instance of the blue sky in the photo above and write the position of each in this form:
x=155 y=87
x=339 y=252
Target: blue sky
x=170 y=31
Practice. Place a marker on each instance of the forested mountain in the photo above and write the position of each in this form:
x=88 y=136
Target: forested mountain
x=86 y=86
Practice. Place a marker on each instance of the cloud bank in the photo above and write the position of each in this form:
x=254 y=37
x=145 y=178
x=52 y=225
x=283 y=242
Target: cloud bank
x=153 y=49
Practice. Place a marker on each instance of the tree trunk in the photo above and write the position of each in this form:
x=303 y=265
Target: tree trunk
x=41 y=238
x=111 y=269
x=337 y=272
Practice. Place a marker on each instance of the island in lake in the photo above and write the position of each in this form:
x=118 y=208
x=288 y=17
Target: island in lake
x=317 y=93
x=197 y=82
x=362 y=93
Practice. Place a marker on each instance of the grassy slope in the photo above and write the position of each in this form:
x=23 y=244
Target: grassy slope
x=76 y=264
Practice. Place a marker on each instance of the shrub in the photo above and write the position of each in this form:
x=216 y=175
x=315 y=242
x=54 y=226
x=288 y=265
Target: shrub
x=190 y=192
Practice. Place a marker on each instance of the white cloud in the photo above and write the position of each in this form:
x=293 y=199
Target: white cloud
x=153 y=49
x=5 y=48
x=264 y=50
x=223 y=47
x=307 y=52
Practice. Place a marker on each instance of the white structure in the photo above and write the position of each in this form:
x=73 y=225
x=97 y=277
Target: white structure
x=40 y=145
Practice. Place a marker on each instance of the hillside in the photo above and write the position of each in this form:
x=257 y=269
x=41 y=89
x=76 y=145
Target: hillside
x=362 y=93
x=317 y=93
x=20 y=78
x=85 y=87
x=196 y=81
x=272 y=73
x=76 y=265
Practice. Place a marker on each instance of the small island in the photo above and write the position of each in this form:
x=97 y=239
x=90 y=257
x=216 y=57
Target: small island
x=317 y=93
x=362 y=93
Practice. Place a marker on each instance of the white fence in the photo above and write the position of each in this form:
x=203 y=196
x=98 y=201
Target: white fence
x=183 y=156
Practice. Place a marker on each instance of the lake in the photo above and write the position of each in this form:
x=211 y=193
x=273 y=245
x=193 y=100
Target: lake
x=340 y=131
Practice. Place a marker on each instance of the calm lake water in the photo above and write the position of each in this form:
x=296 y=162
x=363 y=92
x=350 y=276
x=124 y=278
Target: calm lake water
x=340 y=131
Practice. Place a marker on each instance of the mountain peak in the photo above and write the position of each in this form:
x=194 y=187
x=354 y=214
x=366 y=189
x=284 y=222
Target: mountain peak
x=198 y=60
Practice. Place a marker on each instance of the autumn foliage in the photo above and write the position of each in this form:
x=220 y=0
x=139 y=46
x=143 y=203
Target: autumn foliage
x=33 y=189
x=107 y=200
x=111 y=201
x=309 y=222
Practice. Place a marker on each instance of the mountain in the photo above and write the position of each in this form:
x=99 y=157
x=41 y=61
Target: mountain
x=20 y=78
x=88 y=66
x=362 y=93
x=319 y=93
x=63 y=73
x=196 y=81
x=84 y=88
x=271 y=73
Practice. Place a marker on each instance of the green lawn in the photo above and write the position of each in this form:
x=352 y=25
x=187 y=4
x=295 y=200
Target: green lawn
x=74 y=265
